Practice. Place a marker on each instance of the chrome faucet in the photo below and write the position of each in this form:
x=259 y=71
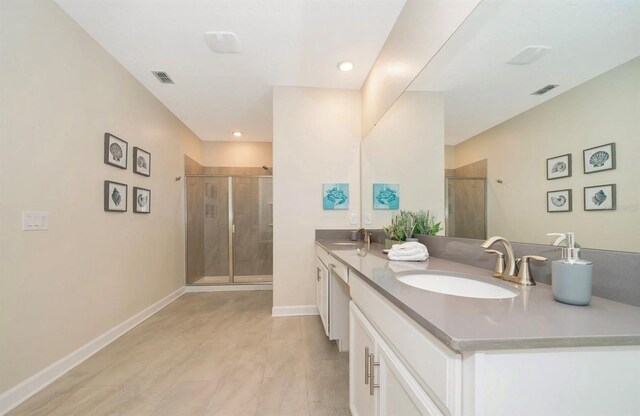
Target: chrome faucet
x=511 y=270
x=366 y=237
x=511 y=273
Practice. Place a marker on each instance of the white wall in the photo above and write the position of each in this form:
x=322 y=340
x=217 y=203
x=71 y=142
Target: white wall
x=91 y=270
x=597 y=112
x=236 y=154
x=406 y=147
x=419 y=32
x=316 y=138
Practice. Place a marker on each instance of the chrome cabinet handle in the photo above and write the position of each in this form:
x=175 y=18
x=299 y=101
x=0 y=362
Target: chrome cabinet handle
x=372 y=374
x=318 y=273
x=366 y=365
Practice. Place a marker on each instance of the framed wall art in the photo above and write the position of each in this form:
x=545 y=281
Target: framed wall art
x=141 y=200
x=559 y=167
x=141 y=162
x=115 y=151
x=386 y=196
x=559 y=201
x=599 y=158
x=115 y=196
x=335 y=196
x=600 y=198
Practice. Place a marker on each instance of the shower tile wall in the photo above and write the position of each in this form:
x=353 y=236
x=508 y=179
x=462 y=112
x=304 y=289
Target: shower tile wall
x=253 y=246
x=216 y=226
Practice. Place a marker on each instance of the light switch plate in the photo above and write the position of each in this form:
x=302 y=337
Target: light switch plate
x=353 y=219
x=35 y=220
x=367 y=219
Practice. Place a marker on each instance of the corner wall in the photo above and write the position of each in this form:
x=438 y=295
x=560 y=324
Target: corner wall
x=316 y=139
x=91 y=270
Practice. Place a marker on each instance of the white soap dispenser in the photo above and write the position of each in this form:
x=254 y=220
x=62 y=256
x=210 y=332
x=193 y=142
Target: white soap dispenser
x=571 y=277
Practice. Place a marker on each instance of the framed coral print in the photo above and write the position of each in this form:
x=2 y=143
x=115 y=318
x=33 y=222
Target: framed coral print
x=115 y=151
x=599 y=158
x=141 y=162
x=559 y=167
x=559 y=201
x=600 y=198
x=115 y=196
x=386 y=196
x=335 y=196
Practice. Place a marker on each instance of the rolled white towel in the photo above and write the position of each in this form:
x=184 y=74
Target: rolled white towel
x=410 y=252
x=409 y=246
x=415 y=257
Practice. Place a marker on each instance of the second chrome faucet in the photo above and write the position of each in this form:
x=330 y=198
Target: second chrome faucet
x=515 y=270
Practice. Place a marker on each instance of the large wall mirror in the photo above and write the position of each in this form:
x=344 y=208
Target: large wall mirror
x=526 y=122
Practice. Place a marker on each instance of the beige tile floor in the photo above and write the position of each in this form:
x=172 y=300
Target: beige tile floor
x=207 y=354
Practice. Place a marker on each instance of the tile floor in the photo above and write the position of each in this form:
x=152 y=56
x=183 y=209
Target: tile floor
x=207 y=354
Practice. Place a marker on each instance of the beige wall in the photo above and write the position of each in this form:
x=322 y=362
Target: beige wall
x=600 y=111
x=236 y=154
x=316 y=138
x=91 y=270
x=419 y=32
x=406 y=147
x=449 y=157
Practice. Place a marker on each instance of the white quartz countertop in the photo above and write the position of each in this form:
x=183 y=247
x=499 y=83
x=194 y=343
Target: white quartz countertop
x=533 y=319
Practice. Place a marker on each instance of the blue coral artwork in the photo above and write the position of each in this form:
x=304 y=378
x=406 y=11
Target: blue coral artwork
x=335 y=196
x=386 y=196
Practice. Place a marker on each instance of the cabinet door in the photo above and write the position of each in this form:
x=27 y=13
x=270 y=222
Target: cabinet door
x=322 y=294
x=361 y=343
x=400 y=394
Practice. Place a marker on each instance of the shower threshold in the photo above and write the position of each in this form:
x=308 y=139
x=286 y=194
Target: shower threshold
x=224 y=280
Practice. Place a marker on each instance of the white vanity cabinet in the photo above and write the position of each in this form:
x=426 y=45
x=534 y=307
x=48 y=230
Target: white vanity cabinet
x=332 y=297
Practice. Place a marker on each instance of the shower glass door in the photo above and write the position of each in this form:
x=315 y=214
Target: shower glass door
x=466 y=207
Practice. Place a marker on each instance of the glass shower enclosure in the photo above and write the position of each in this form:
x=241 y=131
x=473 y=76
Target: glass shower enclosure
x=466 y=207
x=229 y=229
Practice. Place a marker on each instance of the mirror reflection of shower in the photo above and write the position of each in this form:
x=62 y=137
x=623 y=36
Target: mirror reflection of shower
x=267 y=169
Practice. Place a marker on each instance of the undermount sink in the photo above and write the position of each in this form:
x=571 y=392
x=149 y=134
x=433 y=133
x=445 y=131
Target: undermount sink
x=457 y=286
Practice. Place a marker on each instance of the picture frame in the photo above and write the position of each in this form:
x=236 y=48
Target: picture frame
x=335 y=196
x=560 y=200
x=141 y=200
x=115 y=151
x=141 y=162
x=559 y=167
x=599 y=158
x=386 y=196
x=115 y=196
x=600 y=197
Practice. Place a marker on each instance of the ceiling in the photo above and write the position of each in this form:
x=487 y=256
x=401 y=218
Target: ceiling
x=587 y=37
x=283 y=42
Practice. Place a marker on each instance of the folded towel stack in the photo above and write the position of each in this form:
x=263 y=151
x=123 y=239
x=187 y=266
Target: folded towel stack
x=411 y=251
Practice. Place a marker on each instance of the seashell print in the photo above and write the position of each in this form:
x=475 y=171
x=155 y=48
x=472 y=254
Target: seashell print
x=142 y=200
x=141 y=162
x=559 y=201
x=116 y=151
x=559 y=167
x=599 y=197
x=116 y=197
x=598 y=159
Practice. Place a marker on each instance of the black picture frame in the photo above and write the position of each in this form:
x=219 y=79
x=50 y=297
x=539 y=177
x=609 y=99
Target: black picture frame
x=138 y=206
x=141 y=162
x=600 y=197
x=559 y=167
x=560 y=200
x=115 y=151
x=599 y=158
x=114 y=192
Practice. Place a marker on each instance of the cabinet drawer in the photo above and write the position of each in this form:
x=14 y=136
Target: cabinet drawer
x=435 y=367
x=332 y=264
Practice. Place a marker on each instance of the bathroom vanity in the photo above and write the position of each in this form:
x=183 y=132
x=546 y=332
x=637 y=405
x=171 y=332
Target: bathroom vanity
x=417 y=351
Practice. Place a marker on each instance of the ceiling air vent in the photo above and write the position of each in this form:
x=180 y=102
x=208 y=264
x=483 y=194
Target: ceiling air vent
x=163 y=77
x=545 y=90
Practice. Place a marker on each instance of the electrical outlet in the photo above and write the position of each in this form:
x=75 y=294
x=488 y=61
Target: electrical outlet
x=353 y=219
x=367 y=219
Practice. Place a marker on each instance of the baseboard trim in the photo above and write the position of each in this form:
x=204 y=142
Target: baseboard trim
x=21 y=392
x=226 y=288
x=300 y=310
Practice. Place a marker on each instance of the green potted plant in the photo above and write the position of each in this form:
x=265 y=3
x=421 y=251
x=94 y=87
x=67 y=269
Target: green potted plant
x=406 y=224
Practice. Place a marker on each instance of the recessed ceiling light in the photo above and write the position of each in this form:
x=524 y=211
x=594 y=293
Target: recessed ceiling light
x=237 y=133
x=345 y=66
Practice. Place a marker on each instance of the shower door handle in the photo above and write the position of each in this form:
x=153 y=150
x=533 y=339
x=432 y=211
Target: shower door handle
x=233 y=228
